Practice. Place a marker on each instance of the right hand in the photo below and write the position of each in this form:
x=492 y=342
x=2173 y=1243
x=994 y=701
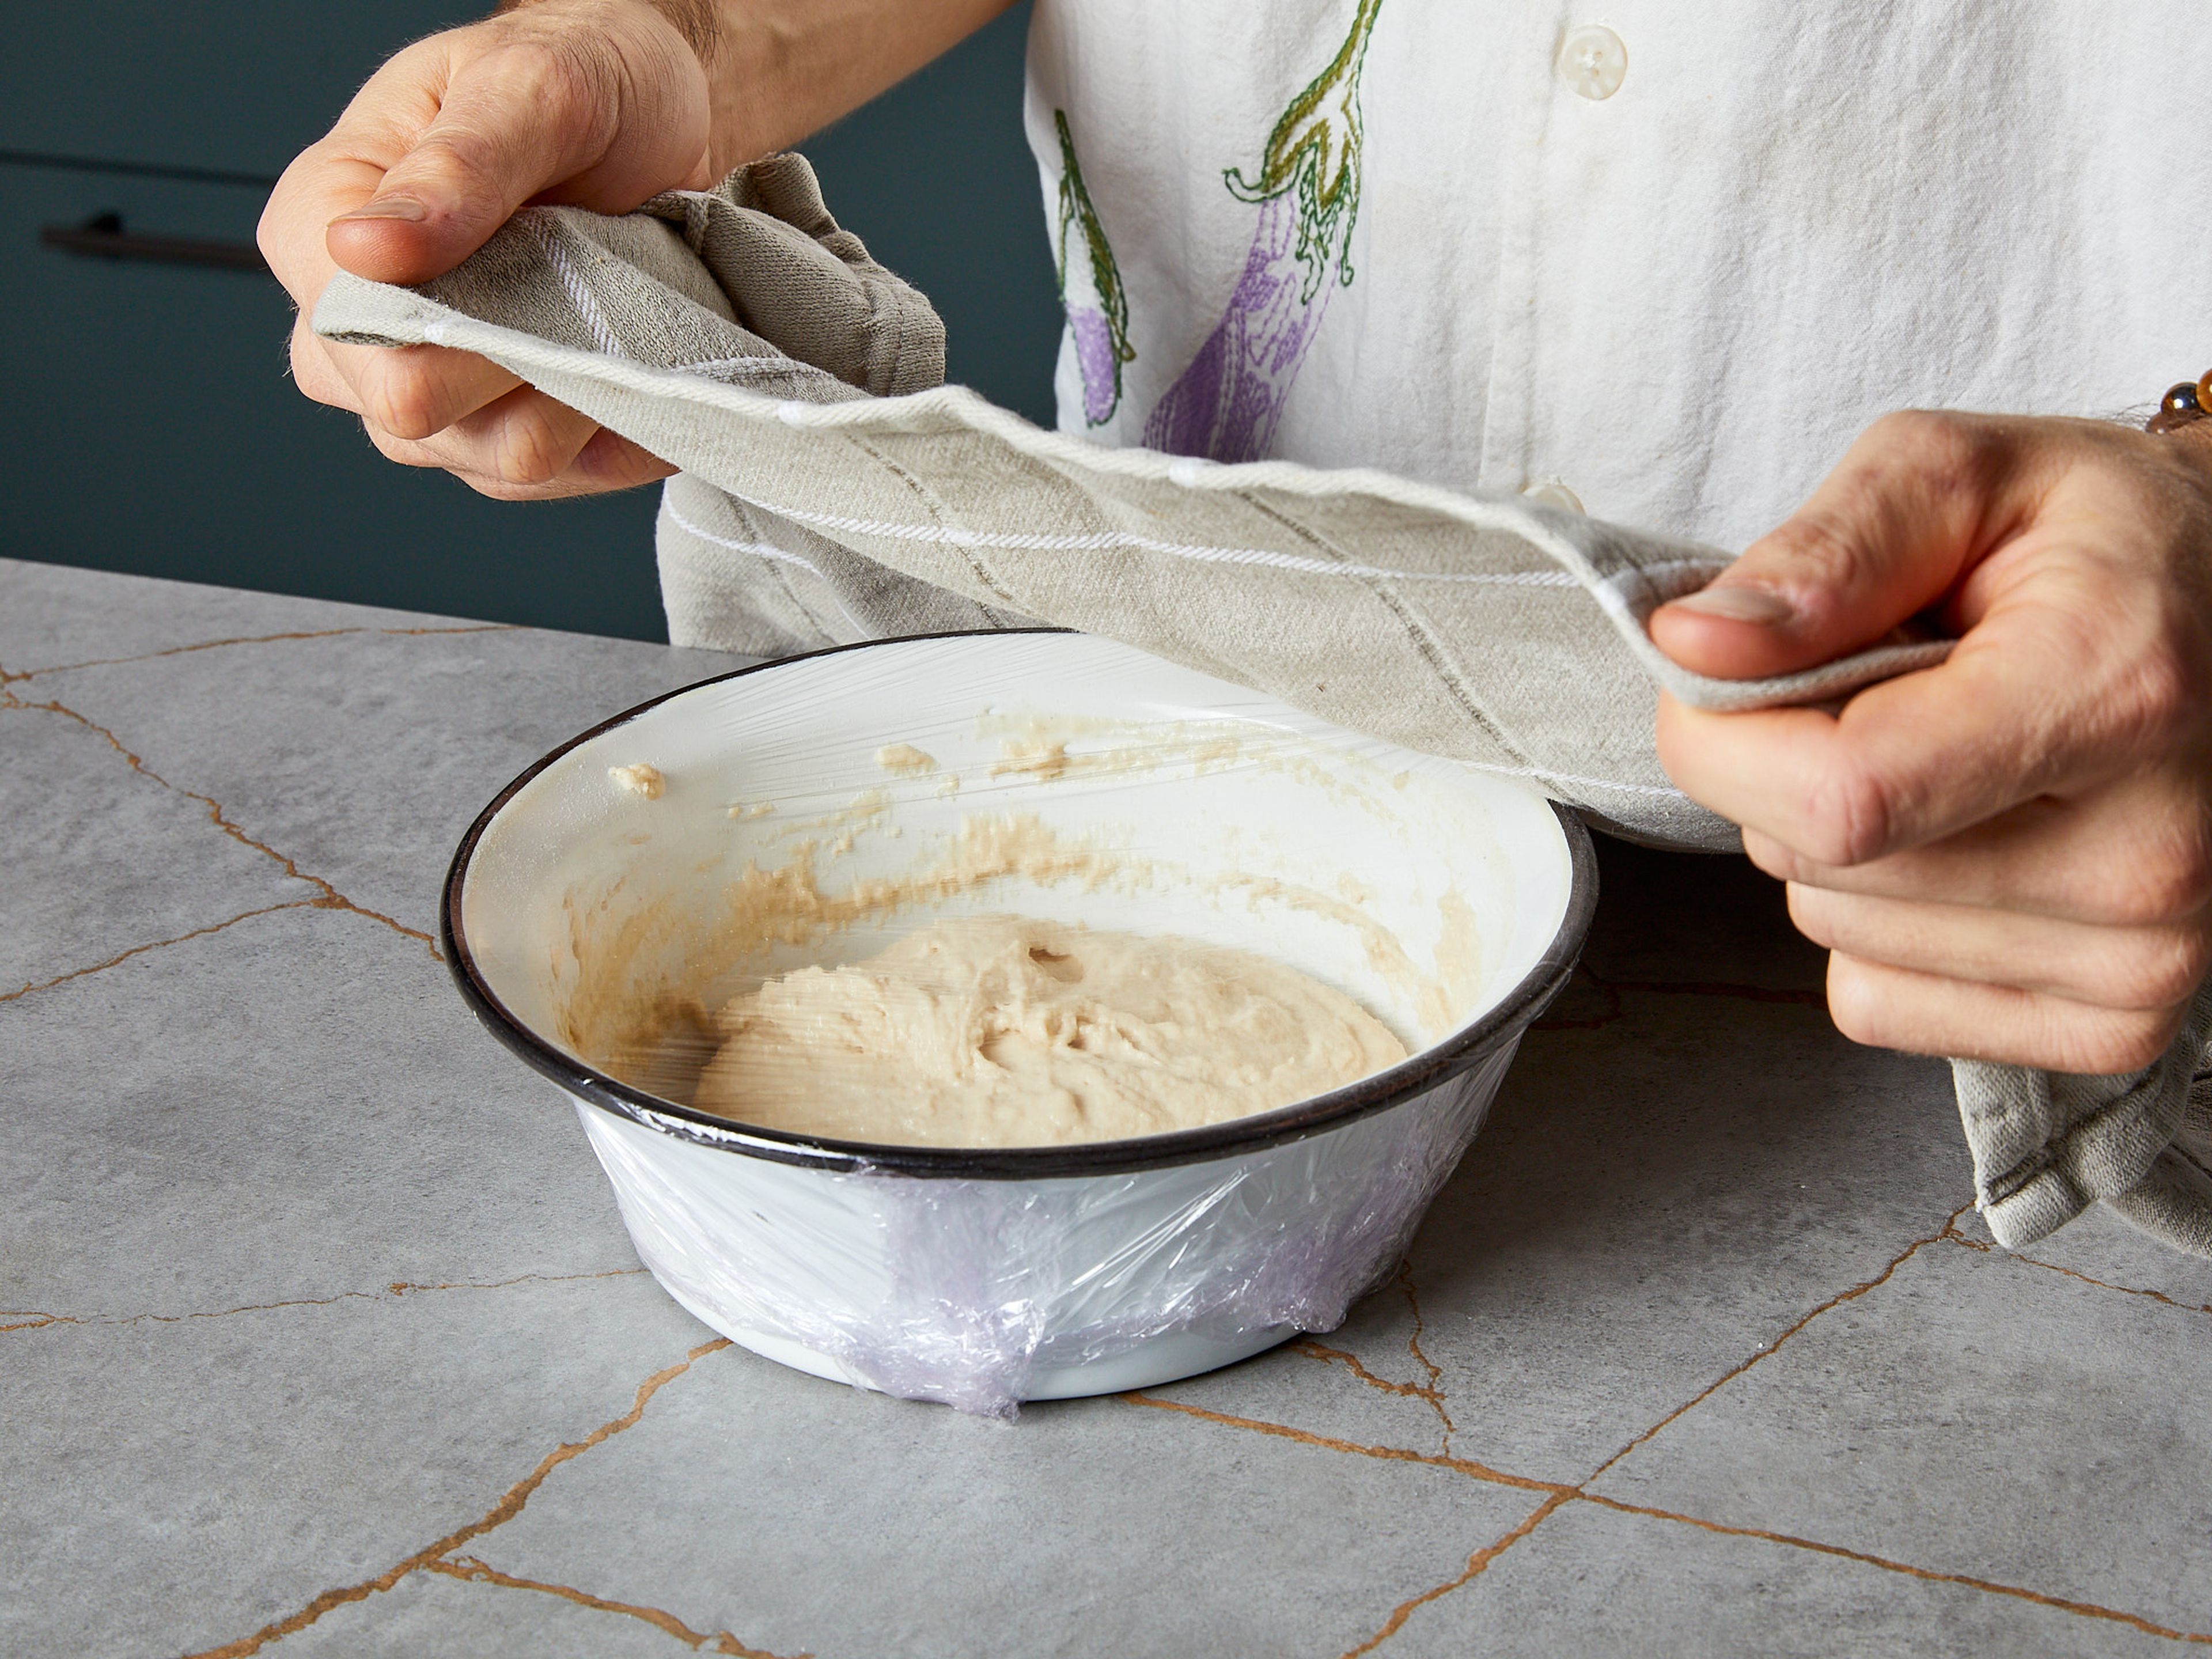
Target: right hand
x=597 y=103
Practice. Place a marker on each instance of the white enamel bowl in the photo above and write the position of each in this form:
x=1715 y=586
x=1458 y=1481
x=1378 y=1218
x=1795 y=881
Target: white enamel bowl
x=1449 y=901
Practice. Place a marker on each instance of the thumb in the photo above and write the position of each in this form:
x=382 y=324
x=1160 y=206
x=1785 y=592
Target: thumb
x=581 y=121
x=1918 y=500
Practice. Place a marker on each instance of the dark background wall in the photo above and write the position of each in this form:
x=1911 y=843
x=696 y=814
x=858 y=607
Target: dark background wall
x=146 y=423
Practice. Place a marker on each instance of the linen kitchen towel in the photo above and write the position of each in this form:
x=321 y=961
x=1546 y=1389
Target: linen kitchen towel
x=743 y=337
x=834 y=489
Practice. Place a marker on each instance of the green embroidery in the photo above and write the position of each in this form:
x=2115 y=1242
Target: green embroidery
x=1314 y=148
x=1098 y=309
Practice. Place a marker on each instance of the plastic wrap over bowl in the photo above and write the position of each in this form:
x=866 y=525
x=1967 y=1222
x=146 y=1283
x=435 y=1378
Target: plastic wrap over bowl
x=612 y=897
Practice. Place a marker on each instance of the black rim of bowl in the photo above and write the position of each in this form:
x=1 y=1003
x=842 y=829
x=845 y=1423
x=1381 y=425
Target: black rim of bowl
x=1461 y=1052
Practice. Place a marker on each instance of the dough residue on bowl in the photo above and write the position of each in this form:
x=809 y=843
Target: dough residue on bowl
x=1012 y=1031
x=904 y=760
x=642 y=779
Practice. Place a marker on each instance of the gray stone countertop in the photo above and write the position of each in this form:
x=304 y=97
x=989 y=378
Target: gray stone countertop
x=324 y=1336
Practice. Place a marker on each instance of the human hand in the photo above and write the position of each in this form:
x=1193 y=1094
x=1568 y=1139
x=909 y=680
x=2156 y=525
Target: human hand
x=2009 y=856
x=599 y=103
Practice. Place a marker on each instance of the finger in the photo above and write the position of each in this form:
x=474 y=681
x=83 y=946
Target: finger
x=410 y=392
x=2051 y=693
x=529 y=447
x=2138 y=854
x=610 y=461
x=529 y=117
x=525 y=439
x=606 y=464
x=1916 y=501
x=314 y=373
x=2143 y=969
x=1927 y=1014
x=413 y=391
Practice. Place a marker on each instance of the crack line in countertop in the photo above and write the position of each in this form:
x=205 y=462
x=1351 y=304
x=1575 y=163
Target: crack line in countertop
x=1329 y=1443
x=1559 y=1493
x=38 y=1320
x=1477 y=1563
x=156 y=944
x=1431 y=1392
x=9 y=676
x=1988 y=1249
x=1435 y=1395
x=1613 y=989
x=2085 y=1609
x=498 y=1515
x=1766 y=1350
x=330 y=898
x=469 y=1570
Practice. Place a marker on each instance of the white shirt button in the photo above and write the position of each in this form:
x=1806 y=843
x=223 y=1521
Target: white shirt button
x=1592 y=61
x=1553 y=492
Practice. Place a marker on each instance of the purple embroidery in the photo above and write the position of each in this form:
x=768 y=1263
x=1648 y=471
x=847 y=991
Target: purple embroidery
x=1099 y=361
x=1090 y=290
x=1226 y=404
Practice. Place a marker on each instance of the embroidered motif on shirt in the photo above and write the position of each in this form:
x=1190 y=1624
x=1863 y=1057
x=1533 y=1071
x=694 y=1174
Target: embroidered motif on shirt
x=1089 y=288
x=1226 y=404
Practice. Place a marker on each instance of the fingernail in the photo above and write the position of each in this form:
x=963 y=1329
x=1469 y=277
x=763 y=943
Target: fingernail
x=387 y=207
x=1739 y=602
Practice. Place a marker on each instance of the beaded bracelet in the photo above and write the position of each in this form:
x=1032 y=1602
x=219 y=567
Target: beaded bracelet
x=2184 y=402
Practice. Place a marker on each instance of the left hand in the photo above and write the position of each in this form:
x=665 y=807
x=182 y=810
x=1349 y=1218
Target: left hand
x=2009 y=856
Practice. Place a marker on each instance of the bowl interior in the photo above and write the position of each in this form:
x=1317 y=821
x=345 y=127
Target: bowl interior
x=810 y=810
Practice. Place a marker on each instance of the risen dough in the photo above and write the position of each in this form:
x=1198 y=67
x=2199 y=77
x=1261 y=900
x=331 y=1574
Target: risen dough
x=1007 y=1031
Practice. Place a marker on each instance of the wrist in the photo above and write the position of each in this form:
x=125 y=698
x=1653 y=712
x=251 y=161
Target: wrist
x=2190 y=448
x=781 y=71
x=770 y=75
x=777 y=70
x=744 y=54
x=697 y=21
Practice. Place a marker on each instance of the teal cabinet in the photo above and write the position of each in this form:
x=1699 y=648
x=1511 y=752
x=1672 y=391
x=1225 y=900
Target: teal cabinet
x=240 y=85
x=148 y=420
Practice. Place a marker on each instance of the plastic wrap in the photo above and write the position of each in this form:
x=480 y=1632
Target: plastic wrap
x=616 y=905
x=983 y=1293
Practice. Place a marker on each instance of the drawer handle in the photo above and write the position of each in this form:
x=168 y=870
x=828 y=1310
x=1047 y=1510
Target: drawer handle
x=104 y=236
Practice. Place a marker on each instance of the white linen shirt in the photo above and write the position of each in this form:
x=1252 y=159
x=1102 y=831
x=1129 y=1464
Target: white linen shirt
x=1680 y=300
